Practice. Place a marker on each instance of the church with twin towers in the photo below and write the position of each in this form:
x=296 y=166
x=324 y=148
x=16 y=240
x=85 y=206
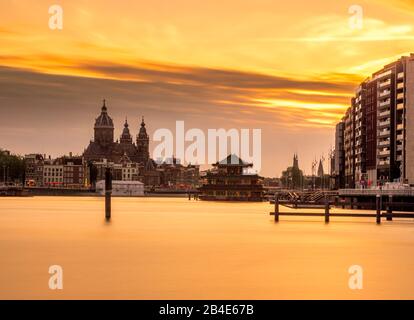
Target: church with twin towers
x=104 y=146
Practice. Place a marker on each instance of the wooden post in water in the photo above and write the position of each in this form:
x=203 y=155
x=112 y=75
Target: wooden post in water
x=326 y=209
x=276 y=207
x=108 y=193
x=389 y=208
x=378 y=205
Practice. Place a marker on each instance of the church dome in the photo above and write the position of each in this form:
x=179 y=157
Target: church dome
x=104 y=120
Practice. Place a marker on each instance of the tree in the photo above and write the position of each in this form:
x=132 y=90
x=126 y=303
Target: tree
x=12 y=167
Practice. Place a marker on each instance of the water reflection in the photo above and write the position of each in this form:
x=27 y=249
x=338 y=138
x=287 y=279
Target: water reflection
x=169 y=248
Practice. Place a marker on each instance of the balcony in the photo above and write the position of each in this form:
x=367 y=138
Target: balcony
x=400 y=106
x=384 y=113
x=385 y=83
x=400 y=96
x=400 y=85
x=400 y=75
x=400 y=137
x=400 y=158
x=385 y=93
x=384 y=123
x=400 y=126
x=384 y=153
x=384 y=143
x=384 y=133
x=384 y=163
x=385 y=103
x=400 y=147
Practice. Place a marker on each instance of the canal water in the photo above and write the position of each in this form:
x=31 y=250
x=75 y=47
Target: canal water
x=172 y=248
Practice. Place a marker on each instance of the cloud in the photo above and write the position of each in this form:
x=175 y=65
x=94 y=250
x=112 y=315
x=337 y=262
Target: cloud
x=51 y=113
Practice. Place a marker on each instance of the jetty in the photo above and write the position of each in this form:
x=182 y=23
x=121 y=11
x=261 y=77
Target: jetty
x=383 y=208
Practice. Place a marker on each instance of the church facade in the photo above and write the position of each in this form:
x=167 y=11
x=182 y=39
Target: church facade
x=104 y=146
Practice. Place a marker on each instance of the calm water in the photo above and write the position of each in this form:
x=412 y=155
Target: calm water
x=166 y=248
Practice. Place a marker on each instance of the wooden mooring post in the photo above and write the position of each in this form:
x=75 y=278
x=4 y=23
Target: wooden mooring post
x=276 y=207
x=326 y=209
x=389 y=208
x=108 y=193
x=378 y=206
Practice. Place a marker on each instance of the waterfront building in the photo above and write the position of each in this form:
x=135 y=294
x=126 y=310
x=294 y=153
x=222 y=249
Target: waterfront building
x=378 y=131
x=34 y=169
x=338 y=163
x=75 y=171
x=228 y=180
x=174 y=174
x=52 y=173
x=122 y=188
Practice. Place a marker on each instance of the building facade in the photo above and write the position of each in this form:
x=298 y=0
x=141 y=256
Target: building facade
x=378 y=137
x=34 y=169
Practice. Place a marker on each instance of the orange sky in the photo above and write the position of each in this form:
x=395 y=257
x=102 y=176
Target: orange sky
x=284 y=66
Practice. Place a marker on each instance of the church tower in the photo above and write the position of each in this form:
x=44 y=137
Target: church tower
x=104 y=128
x=295 y=161
x=126 y=137
x=143 y=143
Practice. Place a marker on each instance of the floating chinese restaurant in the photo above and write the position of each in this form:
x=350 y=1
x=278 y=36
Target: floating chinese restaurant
x=229 y=181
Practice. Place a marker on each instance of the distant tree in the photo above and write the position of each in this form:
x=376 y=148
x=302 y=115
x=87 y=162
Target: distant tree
x=12 y=167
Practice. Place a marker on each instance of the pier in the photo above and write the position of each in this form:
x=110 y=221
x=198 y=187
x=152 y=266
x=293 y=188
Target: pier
x=389 y=214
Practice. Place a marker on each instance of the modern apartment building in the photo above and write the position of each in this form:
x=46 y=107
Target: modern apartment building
x=338 y=163
x=378 y=128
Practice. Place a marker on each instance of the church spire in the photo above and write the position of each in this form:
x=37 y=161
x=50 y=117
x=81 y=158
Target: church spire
x=126 y=135
x=104 y=109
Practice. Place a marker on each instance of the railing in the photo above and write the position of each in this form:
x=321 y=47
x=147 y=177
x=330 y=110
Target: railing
x=374 y=192
x=385 y=83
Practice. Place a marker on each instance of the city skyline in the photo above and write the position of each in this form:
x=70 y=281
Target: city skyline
x=168 y=66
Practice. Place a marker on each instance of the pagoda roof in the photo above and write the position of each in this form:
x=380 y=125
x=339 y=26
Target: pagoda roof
x=233 y=160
